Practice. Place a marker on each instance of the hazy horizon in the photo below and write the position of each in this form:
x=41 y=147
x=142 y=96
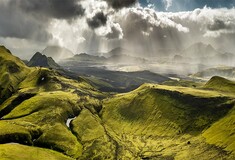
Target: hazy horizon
x=90 y=26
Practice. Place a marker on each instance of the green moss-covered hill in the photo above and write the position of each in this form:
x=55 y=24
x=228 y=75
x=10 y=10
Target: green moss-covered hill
x=44 y=115
x=221 y=84
x=36 y=103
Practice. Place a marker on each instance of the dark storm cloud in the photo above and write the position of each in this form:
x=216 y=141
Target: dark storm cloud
x=118 y=4
x=97 y=21
x=116 y=32
x=148 y=31
x=60 y=9
x=218 y=25
x=29 y=19
x=16 y=24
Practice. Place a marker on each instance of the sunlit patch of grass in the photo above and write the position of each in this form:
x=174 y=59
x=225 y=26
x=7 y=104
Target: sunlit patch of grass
x=170 y=117
x=59 y=137
x=220 y=84
x=12 y=72
x=20 y=152
x=222 y=133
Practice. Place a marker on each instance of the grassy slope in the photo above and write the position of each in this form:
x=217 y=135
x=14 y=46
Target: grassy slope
x=222 y=133
x=153 y=121
x=37 y=108
x=158 y=121
x=183 y=83
x=13 y=71
x=21 y=152
x=220 y=84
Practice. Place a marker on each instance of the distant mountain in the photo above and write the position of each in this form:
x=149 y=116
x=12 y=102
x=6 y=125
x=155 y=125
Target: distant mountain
x=83 y=59
x=228 y=72
x=89 y=58
x=117 y=51
x=57 y=53
x=223 y=58
x=115 y=56
x=120 y=55
x=204 y=54
x=25 y=61
x=125 y=59
x=179 y=58
x=199 y=50
x=39 y=59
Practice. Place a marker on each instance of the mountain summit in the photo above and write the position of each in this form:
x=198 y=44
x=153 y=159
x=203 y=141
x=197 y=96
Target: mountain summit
x=39 y=59
x=199 y=50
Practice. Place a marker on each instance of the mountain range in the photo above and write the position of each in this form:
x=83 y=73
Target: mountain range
x=115 y=56
x=223 y=71
x=204 y=54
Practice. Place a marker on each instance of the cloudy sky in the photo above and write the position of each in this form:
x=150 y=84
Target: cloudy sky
x=143 y=26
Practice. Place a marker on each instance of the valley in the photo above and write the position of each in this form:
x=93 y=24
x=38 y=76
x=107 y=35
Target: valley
x=117 y=80
x=94 y=113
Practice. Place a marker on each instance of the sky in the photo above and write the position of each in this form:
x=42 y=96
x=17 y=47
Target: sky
x=187 y=5
x=95 y=26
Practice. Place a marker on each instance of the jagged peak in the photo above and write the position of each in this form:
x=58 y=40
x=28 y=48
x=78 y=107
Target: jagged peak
x=40 y=59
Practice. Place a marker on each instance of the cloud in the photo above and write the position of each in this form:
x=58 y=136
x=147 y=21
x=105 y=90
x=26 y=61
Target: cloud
x=146 y=19
x=115 y=32
x=26 y=19
x=148 y=31
x=103 y=22
x=17 y=24
x=60 y=9
x=217 y=25
x=118 y=4
x=207 y=21
x=98 y=20
x=168 y=4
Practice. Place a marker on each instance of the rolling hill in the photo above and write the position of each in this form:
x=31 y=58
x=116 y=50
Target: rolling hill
x=35 y=105
x=220 y=84
x=165 y=122
x=48 y=116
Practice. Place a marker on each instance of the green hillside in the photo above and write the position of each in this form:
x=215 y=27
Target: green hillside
x=44 y=115
x=12 y=72
x=35 y=111
x=220 y=84
x=165 y=122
